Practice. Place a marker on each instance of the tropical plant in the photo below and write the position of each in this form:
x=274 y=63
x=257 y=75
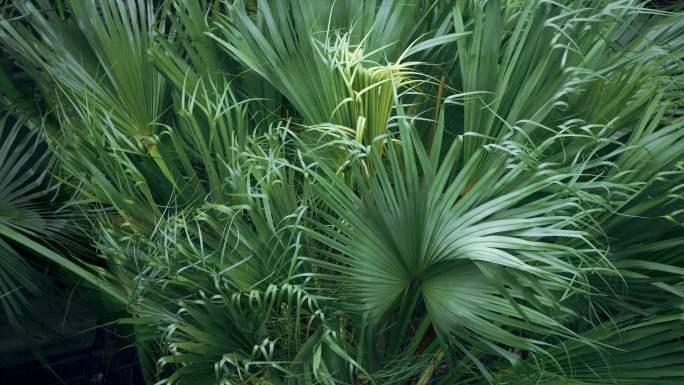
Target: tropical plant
x=372 y=192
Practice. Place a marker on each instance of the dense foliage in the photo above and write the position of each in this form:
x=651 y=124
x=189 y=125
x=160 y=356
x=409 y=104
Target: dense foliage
x=355 y=191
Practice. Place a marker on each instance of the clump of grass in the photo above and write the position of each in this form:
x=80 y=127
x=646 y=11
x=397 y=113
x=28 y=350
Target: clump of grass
x=284 y=193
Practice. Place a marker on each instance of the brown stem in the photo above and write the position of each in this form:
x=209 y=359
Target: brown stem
x=438 y=104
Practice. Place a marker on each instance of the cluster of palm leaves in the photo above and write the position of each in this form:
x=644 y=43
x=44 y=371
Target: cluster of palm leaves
x=356 y=191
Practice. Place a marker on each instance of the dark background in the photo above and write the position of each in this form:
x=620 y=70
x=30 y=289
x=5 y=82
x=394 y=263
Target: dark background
x=66 y=344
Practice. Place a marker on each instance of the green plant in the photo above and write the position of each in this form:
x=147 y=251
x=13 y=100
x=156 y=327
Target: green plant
x=374 y=192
